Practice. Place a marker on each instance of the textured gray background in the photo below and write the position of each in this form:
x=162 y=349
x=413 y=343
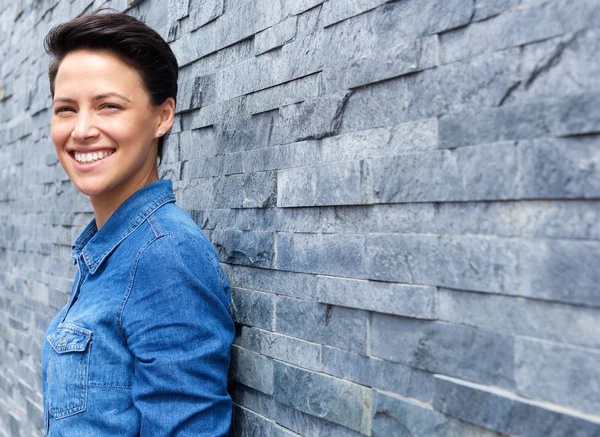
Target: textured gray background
x=404 y=195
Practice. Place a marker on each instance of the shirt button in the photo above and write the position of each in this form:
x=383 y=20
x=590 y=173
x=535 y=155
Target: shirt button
x=62 y=340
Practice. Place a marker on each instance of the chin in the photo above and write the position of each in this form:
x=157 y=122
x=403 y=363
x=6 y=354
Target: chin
x=89 y=189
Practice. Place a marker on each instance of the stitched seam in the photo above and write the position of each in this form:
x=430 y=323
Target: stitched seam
x=80 y=282
x=121 y=307
x=72 y=327
x=154 y=226
x=110 y=386
x=85 y=237
x=218 y=269
x=141 y=217
x=83 y=377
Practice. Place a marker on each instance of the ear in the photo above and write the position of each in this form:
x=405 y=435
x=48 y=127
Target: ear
x=166 y=113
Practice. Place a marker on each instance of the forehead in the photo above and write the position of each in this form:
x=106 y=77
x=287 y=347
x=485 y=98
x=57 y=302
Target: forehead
x=97 y=70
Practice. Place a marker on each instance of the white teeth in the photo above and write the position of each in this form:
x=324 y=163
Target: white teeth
x=91 y=157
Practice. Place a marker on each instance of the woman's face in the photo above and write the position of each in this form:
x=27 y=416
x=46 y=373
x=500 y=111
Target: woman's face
x=104 y=128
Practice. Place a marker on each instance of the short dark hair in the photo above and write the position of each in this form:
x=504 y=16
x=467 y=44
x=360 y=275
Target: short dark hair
x=133 y=41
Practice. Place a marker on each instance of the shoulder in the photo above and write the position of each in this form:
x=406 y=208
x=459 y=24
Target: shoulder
x=172 y=229
x=178 y=245
x=175 y=267
x=178 y=266
x=171 y=219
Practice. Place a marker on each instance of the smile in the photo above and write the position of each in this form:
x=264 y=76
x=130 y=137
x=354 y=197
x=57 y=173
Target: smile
x=85 y=158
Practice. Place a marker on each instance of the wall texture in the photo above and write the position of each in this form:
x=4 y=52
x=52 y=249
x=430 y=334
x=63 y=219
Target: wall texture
x=404 y=195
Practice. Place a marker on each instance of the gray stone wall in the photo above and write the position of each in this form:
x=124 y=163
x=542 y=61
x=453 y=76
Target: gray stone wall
x=404 y=195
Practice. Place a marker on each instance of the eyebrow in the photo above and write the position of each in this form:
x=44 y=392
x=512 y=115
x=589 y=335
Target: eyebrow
x=98 y=97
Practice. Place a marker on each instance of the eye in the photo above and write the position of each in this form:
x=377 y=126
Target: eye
x=110 y=107
x=60 y=109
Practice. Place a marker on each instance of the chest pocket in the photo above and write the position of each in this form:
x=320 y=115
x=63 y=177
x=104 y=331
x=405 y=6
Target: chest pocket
x=67 y=372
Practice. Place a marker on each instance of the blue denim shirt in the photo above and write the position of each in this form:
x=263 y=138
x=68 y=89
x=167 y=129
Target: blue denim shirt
x=142 y=346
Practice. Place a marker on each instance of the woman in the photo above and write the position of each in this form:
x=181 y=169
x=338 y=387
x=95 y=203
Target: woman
x=142 y=346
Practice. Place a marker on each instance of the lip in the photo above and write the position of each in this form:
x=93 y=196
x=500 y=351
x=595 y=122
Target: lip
x=88 y=166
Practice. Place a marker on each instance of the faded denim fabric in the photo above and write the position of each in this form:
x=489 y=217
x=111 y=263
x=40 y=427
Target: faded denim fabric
x=142 y=347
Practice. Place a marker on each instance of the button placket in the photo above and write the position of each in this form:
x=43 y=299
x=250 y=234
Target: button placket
x=77 y=288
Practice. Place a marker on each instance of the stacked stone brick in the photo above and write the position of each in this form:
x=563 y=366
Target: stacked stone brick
x=404 y=195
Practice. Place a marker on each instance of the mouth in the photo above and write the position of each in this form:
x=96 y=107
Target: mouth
x=90 y=157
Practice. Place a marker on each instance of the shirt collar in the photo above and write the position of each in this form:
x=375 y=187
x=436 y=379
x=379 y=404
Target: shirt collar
x=96 y=245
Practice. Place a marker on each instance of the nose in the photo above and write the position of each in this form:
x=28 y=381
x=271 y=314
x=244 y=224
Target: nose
x=85 y=127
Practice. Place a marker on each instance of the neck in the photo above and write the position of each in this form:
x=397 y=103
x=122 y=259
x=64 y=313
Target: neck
x=107 y=203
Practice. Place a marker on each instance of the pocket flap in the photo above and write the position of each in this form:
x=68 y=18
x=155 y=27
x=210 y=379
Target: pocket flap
x=69 y=338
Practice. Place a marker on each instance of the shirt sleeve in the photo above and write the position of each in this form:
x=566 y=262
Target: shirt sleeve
x=178 y=326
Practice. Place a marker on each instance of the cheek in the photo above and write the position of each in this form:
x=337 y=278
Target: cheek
x=134 y=131
x=59 y=132
x=123 y=130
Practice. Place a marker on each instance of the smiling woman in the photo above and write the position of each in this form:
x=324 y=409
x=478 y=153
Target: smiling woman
x=142 y=347
x=105 y=128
